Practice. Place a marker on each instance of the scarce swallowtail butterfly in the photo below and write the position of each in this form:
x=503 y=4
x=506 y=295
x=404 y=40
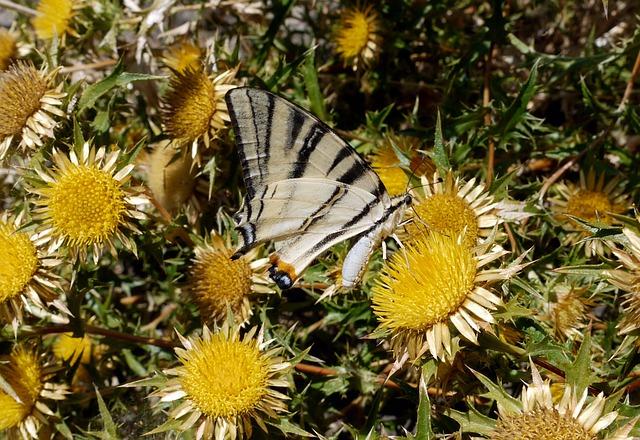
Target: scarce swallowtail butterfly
x=307 y=189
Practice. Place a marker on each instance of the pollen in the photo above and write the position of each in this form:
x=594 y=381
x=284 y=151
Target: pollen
x=589 y=205
x=190 y=105
x=23 y=373
x=540 y=424
x=21 y=87
x=218 y=282
x=86 y=205
x=447 y=214
x=225 y=378
x=53 y=18
x=19 y=262
x=8 y=48
x=424 y=284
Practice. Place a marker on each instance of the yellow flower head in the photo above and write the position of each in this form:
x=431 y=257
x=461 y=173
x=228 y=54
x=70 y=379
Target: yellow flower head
x=540 y=418
x=183 y=56
x=592 y=200
x=22 y=410
x=68 y=348
x=53 y=19
x=224 y=383
x=388 y=166
x=357 y=38
x=217 y=282
x=454 y=208
x=85 y=202
x=194 y=108
x=28 y=105
x=26 y=272
x=433 y=285
x=8 y=48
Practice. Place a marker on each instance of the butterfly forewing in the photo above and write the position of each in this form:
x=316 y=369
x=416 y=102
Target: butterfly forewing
x=307 y=189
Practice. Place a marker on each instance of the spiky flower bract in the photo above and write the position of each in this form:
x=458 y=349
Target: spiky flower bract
x=53 y=19
x=26 y=273
x=218 y=283
x=627 y=278
x=22 y=407
x=194 y=109
x=431 y=287
x=451 y=207
x=183 y=56
x=29 y=104
x=358 y=36
x=537 y=417
x=85 y=203
x=8 y=48
x=225 y=383
x=593 y=199
x=567 y=311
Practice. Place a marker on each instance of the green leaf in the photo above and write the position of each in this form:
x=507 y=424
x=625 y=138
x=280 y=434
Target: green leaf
x=287 y=427
x=473 y=421
x=109 y=431
x=78 y=137
x=117 y=78
x=579 y=373
x=440 y=156
x=316 y=99
x=497 y=393
x=423 y=426
x=515 y=113
x=133 y=363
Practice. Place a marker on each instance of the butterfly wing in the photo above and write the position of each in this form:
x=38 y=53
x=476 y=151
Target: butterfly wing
x=306 y=188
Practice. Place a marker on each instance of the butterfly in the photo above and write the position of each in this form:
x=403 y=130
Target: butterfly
x=306 y=189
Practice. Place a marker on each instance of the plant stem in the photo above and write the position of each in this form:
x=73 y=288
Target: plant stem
x=18 y=8
x=486 y=98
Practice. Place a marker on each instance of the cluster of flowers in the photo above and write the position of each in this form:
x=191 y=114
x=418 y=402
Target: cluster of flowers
x=438 y=292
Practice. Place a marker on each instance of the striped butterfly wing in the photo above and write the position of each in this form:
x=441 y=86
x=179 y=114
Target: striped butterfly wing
x=307 y=189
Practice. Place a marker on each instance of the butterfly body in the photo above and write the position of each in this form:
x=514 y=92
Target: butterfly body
x=307 y=189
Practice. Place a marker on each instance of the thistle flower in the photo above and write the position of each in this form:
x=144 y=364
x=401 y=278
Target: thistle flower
x=68 y=348
x=26 y=272
x=8 y=48
x=389 y=167
x=628 y=280
x=452 y=207
x=29 y=102
x=536 y=416
x=592 y=200
x=194 y=108
x=567 y=313
x=171 y=176
x=22 y=407
x=53 y=19
x=224 y=384
x=432 y=286
x=85 y=203
x=357 y=38
x=217 y=282
x=183 y=56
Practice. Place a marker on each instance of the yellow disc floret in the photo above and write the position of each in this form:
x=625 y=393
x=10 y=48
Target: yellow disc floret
x=225 y=378
x=355 y=32
x=19 y=261
x=540 y=424
x=53 y=18
x=437 y=280
x=21 y=88
x=589 y=205
x=86 y=205
x=8 y=48
x=219 y=281
x=448 y=214
x=23 y=373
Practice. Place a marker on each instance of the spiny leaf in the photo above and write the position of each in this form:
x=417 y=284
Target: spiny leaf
x=440 y=156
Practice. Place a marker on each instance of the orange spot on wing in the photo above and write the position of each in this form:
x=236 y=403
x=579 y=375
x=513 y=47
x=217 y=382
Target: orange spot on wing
x=282 y=266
